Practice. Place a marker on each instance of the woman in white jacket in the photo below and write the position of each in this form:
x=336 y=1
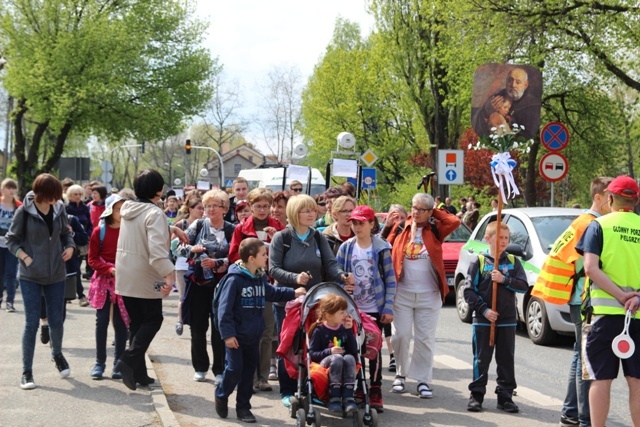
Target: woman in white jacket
x=144 y=273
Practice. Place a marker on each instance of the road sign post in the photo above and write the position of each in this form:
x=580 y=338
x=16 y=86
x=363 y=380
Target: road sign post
x=450 y=167
x=553 y=166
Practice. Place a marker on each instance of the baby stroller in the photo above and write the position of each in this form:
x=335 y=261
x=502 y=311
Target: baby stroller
x=312 y=379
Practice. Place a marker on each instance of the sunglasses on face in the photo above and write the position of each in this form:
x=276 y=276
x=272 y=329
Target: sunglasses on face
x=296 y=190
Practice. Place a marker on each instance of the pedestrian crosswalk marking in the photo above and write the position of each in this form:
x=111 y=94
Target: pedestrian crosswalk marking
x=524 y=392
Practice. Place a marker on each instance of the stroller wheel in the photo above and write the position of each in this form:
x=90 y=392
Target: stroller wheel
x=301 y=418
x=368 y=419
x=316 y=419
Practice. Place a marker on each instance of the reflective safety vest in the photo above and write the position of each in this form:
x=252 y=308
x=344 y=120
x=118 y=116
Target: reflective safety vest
x=558 y=276
x=620 y=260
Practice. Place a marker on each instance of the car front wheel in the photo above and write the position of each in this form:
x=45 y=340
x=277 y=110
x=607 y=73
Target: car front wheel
x=538 y=327
x=463 y=309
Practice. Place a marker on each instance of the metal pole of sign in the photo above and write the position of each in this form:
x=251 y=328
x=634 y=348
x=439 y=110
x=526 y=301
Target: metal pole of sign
x=552 y=188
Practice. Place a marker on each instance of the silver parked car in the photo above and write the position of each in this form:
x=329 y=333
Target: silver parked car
x=533 y=232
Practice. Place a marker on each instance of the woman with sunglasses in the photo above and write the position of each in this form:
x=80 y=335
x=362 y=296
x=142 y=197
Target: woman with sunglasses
x=321 y=202
x=339 y=231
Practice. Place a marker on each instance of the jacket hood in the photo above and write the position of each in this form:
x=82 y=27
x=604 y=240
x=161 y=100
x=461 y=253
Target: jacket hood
x=132 y=209
x=30 y=205
x=238 y=269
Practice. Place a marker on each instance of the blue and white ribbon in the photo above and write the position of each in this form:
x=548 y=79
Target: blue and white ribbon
x=502 y=166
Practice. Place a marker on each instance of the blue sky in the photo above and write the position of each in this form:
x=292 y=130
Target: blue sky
x=250 y=37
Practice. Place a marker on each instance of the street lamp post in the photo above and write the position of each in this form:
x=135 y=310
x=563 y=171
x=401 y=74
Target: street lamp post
x=219 y=158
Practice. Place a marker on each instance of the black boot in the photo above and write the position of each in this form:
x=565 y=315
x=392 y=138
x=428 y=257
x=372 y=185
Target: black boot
x=347 y=398
x=335 y=399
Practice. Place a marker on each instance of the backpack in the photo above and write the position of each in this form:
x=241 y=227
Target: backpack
x=372 y=337
x=197 y=275
x=287 y=238
x=216 y=302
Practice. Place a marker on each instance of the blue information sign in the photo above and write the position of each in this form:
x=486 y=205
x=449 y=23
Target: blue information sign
x=369 y=180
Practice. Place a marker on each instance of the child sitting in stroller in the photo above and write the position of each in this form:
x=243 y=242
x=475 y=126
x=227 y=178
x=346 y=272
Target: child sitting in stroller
x=333 y=345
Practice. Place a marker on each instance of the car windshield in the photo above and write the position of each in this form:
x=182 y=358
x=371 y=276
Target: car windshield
x=460 y=234
x=549 y=228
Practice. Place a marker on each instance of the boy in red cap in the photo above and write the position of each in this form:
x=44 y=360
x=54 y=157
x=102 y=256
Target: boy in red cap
x=611 y=249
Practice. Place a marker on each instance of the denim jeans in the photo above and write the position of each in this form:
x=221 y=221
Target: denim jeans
x=576 y=401
x=102 y=327
x=342 y=368
x=241 y=364
x=8 y=274
x=54 y=299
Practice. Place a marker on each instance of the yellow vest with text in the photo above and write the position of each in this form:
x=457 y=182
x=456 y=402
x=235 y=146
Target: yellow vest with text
x=620 y=260
x=557 y=277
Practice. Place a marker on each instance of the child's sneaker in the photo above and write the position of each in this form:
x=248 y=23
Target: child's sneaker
x=375 y=398
x=222 y=408
x=350 y=405
x=62 y=365
x=507 y=405
x=97 y=371
x=475 y=403
x=335 y=405
x=245 y=415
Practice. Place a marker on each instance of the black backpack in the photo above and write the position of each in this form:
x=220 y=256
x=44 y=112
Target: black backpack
x=216 y=302
x=287 y=238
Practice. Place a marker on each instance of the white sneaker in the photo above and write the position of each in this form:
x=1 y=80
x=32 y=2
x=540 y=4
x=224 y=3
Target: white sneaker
x=200 y=376
x=273 y=373
x=217 y=380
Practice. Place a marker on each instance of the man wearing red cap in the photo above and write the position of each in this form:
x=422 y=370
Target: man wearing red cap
x=611 y=249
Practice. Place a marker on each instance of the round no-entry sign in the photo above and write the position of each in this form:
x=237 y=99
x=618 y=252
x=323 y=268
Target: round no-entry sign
x=554 y=136
x=553 y=167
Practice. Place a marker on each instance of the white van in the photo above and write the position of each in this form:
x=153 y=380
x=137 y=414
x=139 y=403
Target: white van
x=271 y=178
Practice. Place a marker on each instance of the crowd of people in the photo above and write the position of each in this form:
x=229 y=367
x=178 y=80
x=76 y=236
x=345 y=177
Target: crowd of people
x=235 y=260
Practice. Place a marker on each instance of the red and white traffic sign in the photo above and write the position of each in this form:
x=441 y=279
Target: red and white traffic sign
x=553 y=167
x=554 y=136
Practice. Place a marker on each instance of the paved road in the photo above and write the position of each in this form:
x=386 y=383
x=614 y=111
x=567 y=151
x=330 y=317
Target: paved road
x=79 y=400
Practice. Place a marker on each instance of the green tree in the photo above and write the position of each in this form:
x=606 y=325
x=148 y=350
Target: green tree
x=352 y=89
x=113 y=69
x=434 y=47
